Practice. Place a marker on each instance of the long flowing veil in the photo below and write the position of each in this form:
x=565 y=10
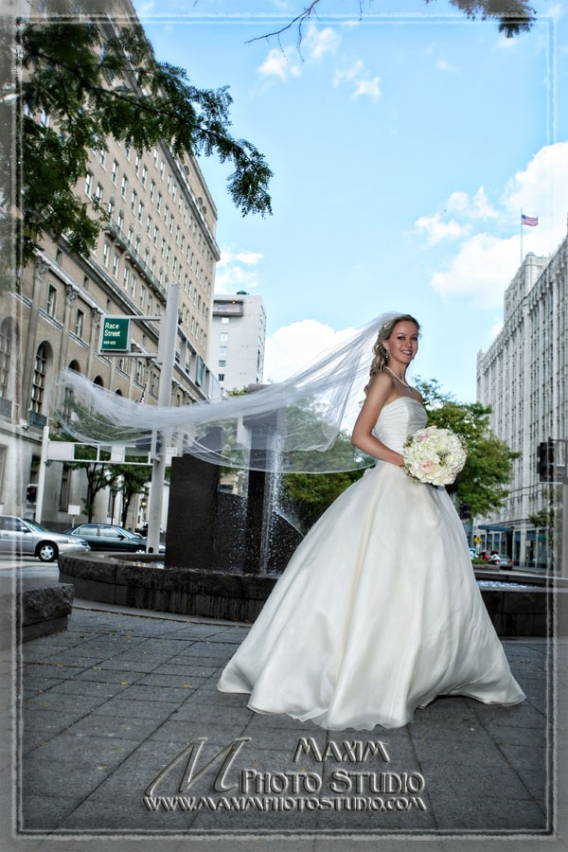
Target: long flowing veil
x=302 y=424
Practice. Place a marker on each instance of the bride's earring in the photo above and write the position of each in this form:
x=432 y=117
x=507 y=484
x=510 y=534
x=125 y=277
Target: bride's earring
x=387 y=355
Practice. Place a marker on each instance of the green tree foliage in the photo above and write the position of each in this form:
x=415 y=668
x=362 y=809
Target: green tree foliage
x=514 y=16
x=480 y=487
x=131 y=480
x=93 y=83
x=481 y=483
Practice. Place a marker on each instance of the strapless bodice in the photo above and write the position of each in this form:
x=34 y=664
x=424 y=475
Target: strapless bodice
x=399 y=419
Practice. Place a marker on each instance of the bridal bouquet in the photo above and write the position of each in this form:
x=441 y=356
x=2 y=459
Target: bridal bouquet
x=434 y=455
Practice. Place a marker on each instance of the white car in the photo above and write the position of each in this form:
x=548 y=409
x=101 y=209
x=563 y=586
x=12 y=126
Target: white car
x=26 y=538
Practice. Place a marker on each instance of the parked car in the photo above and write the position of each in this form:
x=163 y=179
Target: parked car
x=500 y=559
x=487 y=554
x=25 y=537
x=111 y=537
x=472 y=552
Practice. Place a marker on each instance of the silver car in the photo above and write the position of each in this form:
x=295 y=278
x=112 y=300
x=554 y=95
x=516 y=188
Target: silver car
x=25 y=537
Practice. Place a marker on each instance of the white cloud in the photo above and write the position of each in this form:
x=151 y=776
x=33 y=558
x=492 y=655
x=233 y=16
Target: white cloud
x=486 y=263
x=442 y=65
x=435 y=229
x=233 y=273
x=281 y=63
x=319 y=42
x=250 y=258
x=541 y=190
x=349 y=73
x=369 y=88
x=482 y=269
x=497 y=328
x=476 y=208
x=293 y=347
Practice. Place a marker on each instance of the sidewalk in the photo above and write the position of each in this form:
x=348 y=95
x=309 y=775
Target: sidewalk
x=110 y=702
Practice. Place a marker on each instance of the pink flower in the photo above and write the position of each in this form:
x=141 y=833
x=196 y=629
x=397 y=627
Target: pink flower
x=428 y=465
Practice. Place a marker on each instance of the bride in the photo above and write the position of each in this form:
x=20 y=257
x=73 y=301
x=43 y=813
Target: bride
x=378 y=611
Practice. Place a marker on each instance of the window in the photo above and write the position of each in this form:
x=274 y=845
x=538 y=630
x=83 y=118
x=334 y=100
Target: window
x=167 y=214
x=159 y=202
x=174 y=192
x=133 y=200
x=175 y=266
x=156 y=157
x=177 y=235
x=86 y=282
x=222 y=363
x=225 y=320
x=2 y=467
x=115 y=265
x=114 y=172
x=51 y=300
x=140 y=211
x=162 y=167
x=133 y=286
x=106 y=253
x=223 y=337
x=152 y=189
x=156 y=235
x=168 y=253
x=38 y=381
x=148 y=224
x=222 y=350
x=140 y=372
x=127 y=150
x=5 y=355
x=58 y=256
x=150 y=301
x=103 y=157
x=125 y=277
x=124 y=186
x=120 y=220
x=221 y=377
x=79 y=323
x=137 y=163
x=111 y=206
x=163 y=247
x=144 y=175
x=88 y=184
x=99 y=193
x=142 y=297
x=169 y=183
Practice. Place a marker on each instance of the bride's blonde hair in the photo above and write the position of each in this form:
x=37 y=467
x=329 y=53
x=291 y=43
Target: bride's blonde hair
x=380 y=360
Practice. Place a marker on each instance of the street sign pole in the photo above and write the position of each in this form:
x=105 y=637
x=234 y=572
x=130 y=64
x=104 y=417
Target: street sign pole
x=41 y=475
x=166 y=356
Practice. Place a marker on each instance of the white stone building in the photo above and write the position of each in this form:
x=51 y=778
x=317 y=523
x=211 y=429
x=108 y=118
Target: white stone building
x=161 y=229
x=523 y=376
x=238 y=334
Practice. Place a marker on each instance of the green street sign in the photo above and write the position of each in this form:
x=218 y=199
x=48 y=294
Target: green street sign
x=115 y=334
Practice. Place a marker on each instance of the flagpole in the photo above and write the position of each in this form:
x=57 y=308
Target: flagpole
x=521 y=227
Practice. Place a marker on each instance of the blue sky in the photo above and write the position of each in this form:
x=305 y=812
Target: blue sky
x=403 y=147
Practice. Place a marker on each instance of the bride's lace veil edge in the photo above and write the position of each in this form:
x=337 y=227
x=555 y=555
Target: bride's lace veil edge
x=300 y=425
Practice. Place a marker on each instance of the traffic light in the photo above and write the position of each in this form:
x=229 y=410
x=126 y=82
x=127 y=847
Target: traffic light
x=545 y=466
x=31 y=493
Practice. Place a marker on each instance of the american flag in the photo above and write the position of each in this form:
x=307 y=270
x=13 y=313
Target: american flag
x=531 y=221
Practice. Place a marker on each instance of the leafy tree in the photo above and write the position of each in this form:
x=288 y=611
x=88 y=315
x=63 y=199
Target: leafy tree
x=514 y=16
x=93 y=83
x=480 y=485
x=99 y=475
x=131 y=480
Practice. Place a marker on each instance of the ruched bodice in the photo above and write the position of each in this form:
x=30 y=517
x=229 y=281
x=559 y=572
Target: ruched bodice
x=378 y=611
x=398 y=419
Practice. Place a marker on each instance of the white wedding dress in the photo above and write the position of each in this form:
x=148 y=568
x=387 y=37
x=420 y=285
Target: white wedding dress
x=378 y=611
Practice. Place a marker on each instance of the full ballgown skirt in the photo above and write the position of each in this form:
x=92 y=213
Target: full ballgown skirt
x=378 y=611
